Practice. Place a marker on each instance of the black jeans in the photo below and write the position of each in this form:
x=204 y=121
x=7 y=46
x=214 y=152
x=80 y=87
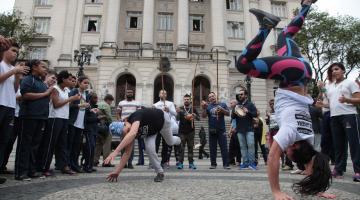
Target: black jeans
x=326 y=143
x=14 y=134
x=345 y=129
x=264 y=152
x=234 y=149
x=73 y=146
x=218 y=137
x=31 y=131
x=6 y=126
x=187 y=140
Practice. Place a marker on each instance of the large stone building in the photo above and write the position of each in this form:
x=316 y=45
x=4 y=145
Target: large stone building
x=126 y=38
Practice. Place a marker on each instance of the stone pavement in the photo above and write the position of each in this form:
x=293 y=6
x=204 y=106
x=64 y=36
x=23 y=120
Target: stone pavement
x=138 y=183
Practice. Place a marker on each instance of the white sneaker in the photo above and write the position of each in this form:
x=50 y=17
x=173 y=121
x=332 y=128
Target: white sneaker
x=298 y=171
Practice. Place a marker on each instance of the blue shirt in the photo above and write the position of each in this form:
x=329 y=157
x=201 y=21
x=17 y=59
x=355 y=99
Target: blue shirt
x=216 y=121
x=34 y=109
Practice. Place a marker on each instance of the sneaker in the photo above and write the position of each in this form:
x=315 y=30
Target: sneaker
x=107 y=165
x=356 y=177
x=266 y=20
x=192 y=166
x=336 y=174
x=287 y=168
x=2 y=180
x=227 y=167
x=22 y=178
x=297 y=171
x=212 y=167
x=159 y=177
x=130 y=166
x=47 y=174
x=180 y=166
x=252 y=166
x=244 y=166
x=34 y=175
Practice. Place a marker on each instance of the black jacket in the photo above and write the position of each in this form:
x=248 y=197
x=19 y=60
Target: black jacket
x=74 y=108
x=245 y=124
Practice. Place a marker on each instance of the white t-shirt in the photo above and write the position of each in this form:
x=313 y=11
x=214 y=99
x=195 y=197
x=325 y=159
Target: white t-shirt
x=128 y=107
x=7 y=91
x=63 y=111
x=79 y=123
x=293 y=117
x=335 y=91
x=169 y=104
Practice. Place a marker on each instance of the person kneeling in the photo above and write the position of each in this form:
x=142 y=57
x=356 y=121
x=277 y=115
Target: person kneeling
x=146 y=123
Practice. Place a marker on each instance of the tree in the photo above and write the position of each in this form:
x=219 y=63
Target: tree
x=12 y=25
x=325 y=39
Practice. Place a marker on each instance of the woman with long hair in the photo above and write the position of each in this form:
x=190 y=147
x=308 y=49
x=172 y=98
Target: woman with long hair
x=291 y=102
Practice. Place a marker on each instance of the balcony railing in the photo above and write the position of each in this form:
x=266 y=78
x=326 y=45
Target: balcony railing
x=171 y=54
x=164 y=53
x=195 y=55
x=132 y=53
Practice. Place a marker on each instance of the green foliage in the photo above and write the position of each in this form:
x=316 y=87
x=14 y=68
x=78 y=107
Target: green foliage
x=12 y=25
x=325 y=39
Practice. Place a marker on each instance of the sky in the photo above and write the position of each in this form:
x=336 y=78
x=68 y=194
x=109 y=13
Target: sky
x=334 y=7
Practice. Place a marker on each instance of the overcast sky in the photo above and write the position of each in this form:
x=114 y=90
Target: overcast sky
x=334 y=7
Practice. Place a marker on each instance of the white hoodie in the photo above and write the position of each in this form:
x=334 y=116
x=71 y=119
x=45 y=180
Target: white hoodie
x=293 y=117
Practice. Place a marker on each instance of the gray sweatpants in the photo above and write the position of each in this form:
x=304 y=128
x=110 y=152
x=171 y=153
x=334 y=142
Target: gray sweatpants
x=150 y=143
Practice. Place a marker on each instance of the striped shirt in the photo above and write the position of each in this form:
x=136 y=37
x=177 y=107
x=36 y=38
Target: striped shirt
x=128 y=107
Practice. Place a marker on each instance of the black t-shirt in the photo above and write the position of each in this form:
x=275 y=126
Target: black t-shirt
x=185 y=126
x=151 y=121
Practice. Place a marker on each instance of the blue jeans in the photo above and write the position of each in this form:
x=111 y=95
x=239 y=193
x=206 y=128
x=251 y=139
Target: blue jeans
x=247 y=147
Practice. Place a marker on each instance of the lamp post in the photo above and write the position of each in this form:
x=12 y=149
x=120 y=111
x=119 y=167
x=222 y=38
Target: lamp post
x=82 y=57
x=248 y=82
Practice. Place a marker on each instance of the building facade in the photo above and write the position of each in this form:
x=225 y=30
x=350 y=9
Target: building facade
x=126 y=38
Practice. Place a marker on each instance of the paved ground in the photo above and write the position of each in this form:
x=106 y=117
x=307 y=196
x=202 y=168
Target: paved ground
x=202 y=183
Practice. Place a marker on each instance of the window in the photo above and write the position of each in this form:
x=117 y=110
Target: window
x=42 y=25
x=165 y=21
x=94 y=1
x=132 y=45
x=233 y=56
x=165 y=46
x=94 y=51
x=234 y=4
x=134 y=20
x=235 y=30
x=38 y=53
x=196 y=47
x=279 y=9
x=42 y=2
x=196 y=23
x=92 y=24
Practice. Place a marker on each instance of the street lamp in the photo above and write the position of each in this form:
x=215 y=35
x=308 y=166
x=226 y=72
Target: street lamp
x=248 y=82
x=82 y=57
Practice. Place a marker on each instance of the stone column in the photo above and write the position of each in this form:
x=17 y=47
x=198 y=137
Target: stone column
x=182 y=29
x=66 y=55
x=148 y=28
x=111 y=27
x=218 y=27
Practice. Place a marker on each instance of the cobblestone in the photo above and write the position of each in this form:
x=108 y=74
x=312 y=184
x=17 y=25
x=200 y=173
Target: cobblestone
x=179 y=184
